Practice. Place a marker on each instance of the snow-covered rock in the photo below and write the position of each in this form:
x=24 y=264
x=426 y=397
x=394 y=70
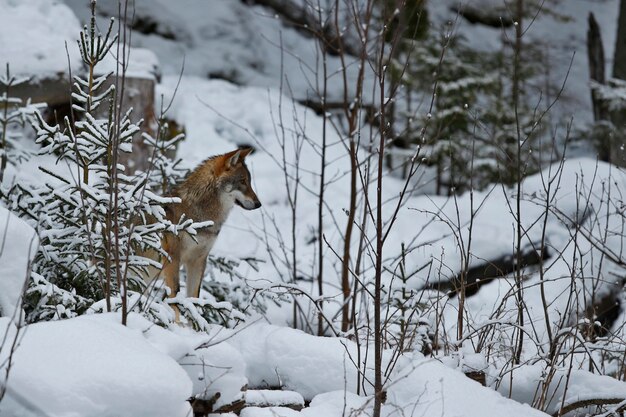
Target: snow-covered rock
x=18 y=245
x=338 y=403
x=33 y=37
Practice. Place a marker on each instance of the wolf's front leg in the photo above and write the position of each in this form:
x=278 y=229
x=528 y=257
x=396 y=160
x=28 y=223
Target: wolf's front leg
x=171 y=266
x=171 y=271
x=195 y=272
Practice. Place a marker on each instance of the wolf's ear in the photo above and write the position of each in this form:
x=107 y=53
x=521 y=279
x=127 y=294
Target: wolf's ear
x=233 y=158
x=245 y=152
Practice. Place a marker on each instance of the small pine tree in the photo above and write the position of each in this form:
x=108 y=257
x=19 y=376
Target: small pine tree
x=407 y=328
x=95 y=221
x=471 y=132
x=463 y=78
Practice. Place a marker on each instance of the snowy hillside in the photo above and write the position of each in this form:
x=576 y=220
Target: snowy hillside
x=502 y=300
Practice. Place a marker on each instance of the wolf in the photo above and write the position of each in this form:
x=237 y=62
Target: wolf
x=209 y=192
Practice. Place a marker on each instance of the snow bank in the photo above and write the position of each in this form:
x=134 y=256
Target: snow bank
x=18 y=245
x=423 y=387
x=33 y=37
x=577 y=191
x=88 y=366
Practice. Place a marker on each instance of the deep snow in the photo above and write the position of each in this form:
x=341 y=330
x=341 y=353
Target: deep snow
x=92 y=365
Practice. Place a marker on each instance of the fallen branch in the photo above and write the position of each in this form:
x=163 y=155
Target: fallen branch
x=592 y=401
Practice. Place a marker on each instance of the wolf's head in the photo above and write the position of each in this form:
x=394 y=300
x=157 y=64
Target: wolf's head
x=234 y=179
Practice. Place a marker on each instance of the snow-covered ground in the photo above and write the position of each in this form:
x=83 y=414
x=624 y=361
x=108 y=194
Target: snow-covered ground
x=92 y=365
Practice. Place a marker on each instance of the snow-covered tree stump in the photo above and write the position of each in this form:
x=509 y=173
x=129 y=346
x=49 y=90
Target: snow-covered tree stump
x=137 y=93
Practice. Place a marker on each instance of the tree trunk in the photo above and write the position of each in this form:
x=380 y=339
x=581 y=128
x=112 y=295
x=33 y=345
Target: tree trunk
x=595 y=53
x=617 y=155
x=619 y=59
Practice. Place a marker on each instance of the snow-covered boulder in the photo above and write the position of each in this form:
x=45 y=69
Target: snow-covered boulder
x=33 y=42
x=33 y=37
x=18 y=245
x=87 y=366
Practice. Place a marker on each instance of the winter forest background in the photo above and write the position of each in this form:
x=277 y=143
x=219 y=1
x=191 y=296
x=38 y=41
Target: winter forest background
x=443 y=227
